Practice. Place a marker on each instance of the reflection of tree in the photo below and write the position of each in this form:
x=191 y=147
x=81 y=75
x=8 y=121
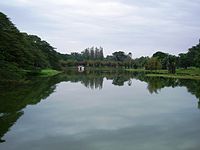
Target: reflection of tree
x=94 y=79
x=15 y=97
x=119 y=80
x=93 y=83
x=157 y=83
x=6 y=121
x=193 y=86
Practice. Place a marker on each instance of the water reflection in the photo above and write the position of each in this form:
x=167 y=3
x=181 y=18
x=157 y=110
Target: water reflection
x=16 y=96
x=94 y=79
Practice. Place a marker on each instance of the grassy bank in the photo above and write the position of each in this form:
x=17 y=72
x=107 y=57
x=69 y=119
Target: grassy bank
x=42 y=73
x=23 y=76
x=148 y=71
x=174 y=76
x=190 y=73
x=48 y=72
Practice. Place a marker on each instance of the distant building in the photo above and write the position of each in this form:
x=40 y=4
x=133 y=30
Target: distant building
x=81 y=68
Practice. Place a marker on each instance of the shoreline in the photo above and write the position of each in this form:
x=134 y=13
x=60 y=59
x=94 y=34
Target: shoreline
x=190 y=73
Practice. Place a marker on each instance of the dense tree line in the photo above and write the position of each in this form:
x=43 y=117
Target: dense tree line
x=161 y=60
x=93 y=53
x=191 y=58
x=94 y=57
x=21 y=51
x=164 y=61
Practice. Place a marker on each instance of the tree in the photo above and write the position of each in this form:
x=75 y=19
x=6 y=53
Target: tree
x=92 y=53
x=119 y=56
x=101 y=55
x=171 y=64
x=141 y=62
x=86 y=54
x=153 y=64
x=162 y=57
x=184 y=61
x=96 y=53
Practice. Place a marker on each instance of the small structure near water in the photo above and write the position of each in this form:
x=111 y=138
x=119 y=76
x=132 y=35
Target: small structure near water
x=81 y=68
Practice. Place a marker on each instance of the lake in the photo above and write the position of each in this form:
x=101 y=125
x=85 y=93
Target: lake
x=100 y=110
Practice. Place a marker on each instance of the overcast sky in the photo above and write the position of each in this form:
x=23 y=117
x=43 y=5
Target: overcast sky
x=138 y=26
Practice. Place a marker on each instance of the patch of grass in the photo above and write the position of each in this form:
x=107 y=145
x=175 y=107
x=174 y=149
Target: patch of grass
x=48 y=72
x=190 y=73
x=148 y=71
x=136 y=70
x=104 y=68
x=176 y=76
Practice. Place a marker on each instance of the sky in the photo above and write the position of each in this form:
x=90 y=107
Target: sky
x=141 y=27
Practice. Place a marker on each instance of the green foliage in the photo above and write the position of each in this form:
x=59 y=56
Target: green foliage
x=49 y=72
x=20 y=51
x=167 y=61
x=184 y=61
x=171 y=64
x=120 y=56
x=153 y=64
x=10 y=71
x=140 y=62
x=12 y=47
x=190 y=73
x=93 y=57
x=193 y=56
x=162 y=57
x=88 y=54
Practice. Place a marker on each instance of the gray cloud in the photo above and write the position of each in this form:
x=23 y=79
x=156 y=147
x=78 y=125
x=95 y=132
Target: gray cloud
x=141 y=27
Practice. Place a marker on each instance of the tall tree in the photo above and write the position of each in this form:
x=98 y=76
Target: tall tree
x=153 y=64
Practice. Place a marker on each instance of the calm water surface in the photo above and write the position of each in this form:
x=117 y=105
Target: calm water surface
x=100 y=111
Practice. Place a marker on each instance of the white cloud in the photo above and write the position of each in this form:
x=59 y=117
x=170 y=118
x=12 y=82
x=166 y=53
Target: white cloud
x=138 y=26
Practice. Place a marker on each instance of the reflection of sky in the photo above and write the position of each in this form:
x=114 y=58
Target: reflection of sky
x=139 y=26
x=116 y=117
